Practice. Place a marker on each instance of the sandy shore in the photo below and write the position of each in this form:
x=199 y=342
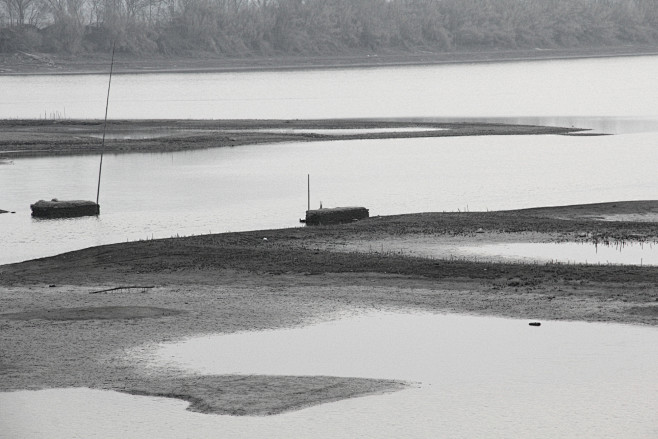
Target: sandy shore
x=73 y=320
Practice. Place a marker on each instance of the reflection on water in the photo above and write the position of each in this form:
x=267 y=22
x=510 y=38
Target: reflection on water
x=568 y=252
x=476 y=377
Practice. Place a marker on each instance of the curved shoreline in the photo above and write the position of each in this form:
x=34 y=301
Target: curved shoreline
x=32 y=138
x=72 y=320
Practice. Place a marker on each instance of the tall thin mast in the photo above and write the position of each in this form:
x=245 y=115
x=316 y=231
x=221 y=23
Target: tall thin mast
x=107 y=104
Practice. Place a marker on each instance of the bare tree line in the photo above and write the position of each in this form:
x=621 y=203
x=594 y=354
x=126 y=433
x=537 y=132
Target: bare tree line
x=268 y=27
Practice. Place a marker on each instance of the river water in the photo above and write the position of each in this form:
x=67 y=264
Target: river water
x=146 y=196
x=471 y=377
x=617 y=87
x=565 y=252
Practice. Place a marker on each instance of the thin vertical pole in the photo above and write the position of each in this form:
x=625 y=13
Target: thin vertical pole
x=308 y=186
x=107 y=104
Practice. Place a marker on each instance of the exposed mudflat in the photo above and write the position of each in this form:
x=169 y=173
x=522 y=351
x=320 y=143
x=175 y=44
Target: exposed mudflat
x=65 y=322
x=25 y=138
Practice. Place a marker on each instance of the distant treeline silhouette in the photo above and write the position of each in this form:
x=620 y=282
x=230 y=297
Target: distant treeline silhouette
x=320 y=27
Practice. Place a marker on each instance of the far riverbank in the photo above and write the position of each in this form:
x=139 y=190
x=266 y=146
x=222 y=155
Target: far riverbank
x=23 y=63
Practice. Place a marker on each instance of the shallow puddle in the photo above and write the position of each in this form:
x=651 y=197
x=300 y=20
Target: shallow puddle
x=134 y=135
x=475 y=377
x=349 y=131
x=567 y=252
x=156 y=134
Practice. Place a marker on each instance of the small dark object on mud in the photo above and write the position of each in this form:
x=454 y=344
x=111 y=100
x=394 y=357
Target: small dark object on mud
x=336 y=215
x=534 y=324
x=64 y=209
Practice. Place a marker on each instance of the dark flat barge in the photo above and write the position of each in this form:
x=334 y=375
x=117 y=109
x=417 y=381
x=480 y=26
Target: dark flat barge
x=64 y=209
x=335 y=215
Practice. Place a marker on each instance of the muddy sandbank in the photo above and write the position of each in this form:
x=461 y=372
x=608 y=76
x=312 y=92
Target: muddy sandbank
x=239 y=282
x=25 y=138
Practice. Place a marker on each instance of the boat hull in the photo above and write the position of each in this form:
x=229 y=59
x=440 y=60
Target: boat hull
x=336 y=215
x=64 y=209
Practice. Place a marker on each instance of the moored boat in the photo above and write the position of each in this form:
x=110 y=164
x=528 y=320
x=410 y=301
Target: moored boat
x=64 y=209
x=336 y=215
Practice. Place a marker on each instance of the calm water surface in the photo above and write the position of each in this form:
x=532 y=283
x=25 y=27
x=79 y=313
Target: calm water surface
x=474 y=377
x=146 y=196
x=162 y=195
x=567 y=252
x=611 y=87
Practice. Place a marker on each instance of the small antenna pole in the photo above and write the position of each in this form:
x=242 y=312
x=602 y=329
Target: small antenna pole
x=107 y=104
x=308 y=188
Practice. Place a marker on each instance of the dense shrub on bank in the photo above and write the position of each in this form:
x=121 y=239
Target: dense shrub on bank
x=320 y=27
